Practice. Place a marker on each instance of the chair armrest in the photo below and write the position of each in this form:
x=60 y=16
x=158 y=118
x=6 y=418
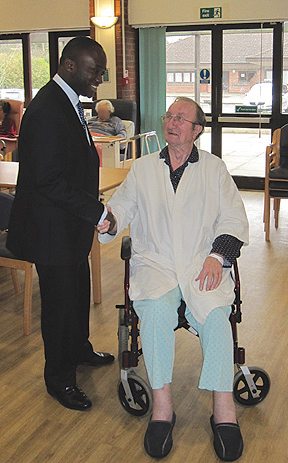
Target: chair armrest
x=126 y=248
x=130 y=128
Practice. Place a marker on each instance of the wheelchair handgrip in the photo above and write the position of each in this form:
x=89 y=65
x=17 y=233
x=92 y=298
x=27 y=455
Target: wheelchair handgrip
x=126 y=248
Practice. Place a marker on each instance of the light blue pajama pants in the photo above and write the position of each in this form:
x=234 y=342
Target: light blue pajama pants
x=158 y=319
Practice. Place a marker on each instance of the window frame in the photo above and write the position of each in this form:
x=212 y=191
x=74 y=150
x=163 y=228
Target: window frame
x=53 y=38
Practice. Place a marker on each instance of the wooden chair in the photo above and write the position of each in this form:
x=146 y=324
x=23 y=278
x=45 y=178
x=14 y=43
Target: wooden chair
x=7 y=259
x=10 y=144
x=276 y=176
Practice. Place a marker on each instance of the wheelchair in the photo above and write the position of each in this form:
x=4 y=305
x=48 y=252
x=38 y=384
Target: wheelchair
x=251 y=384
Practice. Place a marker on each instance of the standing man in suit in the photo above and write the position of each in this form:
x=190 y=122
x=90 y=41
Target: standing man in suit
x=55 y=211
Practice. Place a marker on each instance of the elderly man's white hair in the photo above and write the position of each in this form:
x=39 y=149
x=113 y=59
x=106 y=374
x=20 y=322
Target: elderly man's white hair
x=107 y=103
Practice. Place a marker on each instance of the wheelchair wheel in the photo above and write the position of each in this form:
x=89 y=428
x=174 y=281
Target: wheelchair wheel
x=123 y=335
x=141 y=393
x=241 y=391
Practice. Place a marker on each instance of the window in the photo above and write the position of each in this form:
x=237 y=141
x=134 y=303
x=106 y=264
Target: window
x=246 y=59
x=170 y=76
x=39 y=60
x=17 y=51
x=186 y=77
x=178 y=76
x=11 y=69
x=190 y=52
x=243 y=151
x=253 y=49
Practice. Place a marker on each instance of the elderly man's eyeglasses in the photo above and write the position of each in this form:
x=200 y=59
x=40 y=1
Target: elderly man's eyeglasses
x=178 y=118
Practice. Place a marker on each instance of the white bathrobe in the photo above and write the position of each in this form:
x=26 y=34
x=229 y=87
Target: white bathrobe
x=172 y=233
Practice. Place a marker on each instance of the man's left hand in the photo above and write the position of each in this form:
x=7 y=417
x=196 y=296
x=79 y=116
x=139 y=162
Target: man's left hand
x=212 y=270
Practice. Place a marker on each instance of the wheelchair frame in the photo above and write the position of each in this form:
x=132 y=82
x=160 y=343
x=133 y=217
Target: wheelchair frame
x=251 y=384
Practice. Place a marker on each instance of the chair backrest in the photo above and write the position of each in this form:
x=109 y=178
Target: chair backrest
x=274 y=150
x=6 y=202
x=125 y=109
x=16 y=112
x=284 y=146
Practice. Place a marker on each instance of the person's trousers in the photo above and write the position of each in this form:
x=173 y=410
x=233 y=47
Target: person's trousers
x=159 y=318
x=65 y=303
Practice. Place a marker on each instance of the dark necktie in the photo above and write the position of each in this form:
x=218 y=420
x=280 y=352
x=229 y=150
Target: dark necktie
x=81 y=114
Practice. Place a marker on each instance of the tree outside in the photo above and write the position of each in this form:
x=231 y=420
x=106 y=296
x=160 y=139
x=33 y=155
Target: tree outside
x=11 y=65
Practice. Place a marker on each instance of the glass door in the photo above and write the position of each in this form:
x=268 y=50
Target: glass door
x=239 y=75
x=189 y=72
x=246 y=91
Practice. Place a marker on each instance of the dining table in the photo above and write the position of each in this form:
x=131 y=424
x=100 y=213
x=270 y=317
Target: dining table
x=109 y=178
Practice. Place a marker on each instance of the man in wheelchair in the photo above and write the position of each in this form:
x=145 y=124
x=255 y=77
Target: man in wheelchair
x=187 y=224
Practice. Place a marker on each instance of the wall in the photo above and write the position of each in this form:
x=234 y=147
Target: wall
x=33 y=15
x=111 y=40
x=107 y=39
x=128 y=90
x=149 y=12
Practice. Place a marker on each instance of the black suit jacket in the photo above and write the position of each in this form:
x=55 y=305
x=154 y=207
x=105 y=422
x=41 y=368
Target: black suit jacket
x=56 y=203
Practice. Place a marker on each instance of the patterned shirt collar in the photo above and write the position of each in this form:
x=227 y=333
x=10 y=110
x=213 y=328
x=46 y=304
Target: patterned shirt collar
x=193 y=157
x=175 y=175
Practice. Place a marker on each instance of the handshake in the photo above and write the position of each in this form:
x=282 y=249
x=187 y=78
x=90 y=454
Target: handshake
x=109 y=224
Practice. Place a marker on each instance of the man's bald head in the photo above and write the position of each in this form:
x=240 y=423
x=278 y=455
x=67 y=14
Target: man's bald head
x=79 y=46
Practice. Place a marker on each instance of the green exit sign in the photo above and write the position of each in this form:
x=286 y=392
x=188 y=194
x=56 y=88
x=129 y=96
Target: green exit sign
x=206 y=13
x=106 y=77
x=245 y=109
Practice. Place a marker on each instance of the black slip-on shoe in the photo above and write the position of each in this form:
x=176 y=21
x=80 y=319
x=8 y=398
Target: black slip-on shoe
x=228 y=442
x=158 y=437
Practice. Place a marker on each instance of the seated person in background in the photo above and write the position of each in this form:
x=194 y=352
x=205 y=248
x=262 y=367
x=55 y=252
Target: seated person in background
x=105 y=123
x=7 y=125
x=187 y=224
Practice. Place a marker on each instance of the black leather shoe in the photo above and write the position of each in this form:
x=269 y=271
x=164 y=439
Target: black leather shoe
x=228 y=442
x=71 y=397
x=158 y=438
x=96 y=359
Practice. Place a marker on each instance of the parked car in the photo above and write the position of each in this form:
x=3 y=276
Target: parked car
x=285 y=102
x=15 y=93
x=260 y=95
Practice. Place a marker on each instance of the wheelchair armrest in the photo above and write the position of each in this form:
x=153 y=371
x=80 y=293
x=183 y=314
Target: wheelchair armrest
x=126 y=248
x=4 y=138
